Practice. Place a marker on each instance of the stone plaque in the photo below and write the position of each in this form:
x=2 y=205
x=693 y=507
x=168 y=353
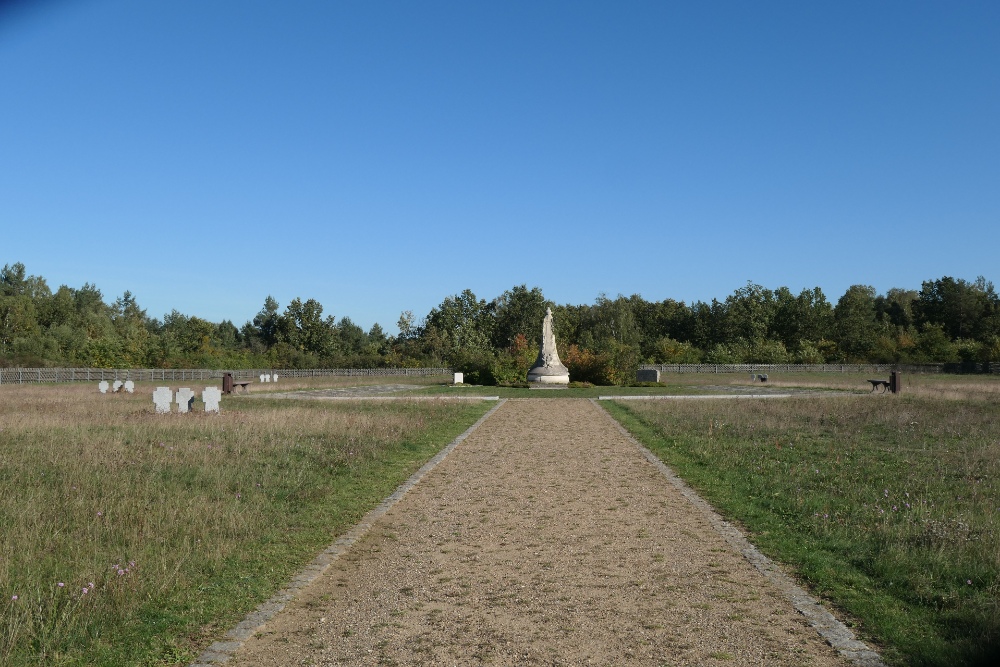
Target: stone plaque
x=459 y=378
x=211 y=396
x=162 y=398
x=647 y=375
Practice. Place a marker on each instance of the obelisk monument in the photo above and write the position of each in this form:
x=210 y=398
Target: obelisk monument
x=548 y=369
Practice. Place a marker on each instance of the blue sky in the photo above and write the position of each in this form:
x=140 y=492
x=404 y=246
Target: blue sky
x=380 y=156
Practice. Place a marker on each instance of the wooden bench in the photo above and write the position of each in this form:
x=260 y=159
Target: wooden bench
x=884 y=384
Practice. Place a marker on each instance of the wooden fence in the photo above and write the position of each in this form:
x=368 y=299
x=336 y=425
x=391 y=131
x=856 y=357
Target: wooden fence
x=960 y=368
x=35 y=375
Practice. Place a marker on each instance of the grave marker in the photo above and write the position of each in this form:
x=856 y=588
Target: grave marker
x=116 y=386
x=261 y=377
x=129 y=386
x=161 y=399
x=275 y=378
x=211 y=396
x=102 y=386
x=185 y=397
x=459 y=378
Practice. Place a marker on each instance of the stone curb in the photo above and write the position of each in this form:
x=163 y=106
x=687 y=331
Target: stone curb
x=220 y=652
x=688 y=397
x=826 y=624
x=380 y=398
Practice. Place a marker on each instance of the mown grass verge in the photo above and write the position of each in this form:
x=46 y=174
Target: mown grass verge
x=887 y=506
x=129 y=538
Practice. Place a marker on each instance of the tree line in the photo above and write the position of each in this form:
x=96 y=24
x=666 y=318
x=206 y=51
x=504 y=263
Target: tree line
x=495 y=341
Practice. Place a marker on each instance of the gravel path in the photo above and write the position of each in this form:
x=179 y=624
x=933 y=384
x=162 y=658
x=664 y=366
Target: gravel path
x=545 y=538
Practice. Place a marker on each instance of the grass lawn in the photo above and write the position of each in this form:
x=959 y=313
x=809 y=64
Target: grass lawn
x=129 y=538
x=888 y=506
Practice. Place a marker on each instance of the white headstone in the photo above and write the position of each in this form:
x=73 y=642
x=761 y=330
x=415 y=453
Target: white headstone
x=116 y=386
x=103 y=386
x=162 y=398
x=211 y=396
x=275 y=378
x=129 y=386
x=459 y=378
x=267 y=377
x=261 y=377
x=184 y=399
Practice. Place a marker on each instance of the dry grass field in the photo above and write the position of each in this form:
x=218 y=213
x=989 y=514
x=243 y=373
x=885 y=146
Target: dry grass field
x=128 y=537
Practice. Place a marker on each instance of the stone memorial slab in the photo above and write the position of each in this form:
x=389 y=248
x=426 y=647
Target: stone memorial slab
x=261 y=377
x=647 y=375
x=459 y=378
x=185 y=397
x=274 y=378
x=162 y=398
x=211 y=396
x=102 y=386
x=129 y=386
x=117 y=386
x=267 y=377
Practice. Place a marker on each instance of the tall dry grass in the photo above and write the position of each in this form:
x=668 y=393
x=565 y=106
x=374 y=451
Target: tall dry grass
x=118 y=525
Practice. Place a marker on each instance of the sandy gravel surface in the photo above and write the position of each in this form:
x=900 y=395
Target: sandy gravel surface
x=545 y=538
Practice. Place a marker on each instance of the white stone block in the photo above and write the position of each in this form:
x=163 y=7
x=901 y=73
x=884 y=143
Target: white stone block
x=185 y=397
x=275 y=378
x=261 y=377
x=211 y=396
x=129 y=386
x=102 y=386
x=459 y=378
x=267 y=377
x=116 y=386
x=162 y=398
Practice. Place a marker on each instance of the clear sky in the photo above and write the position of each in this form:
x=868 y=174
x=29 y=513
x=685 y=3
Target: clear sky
x=379 y=156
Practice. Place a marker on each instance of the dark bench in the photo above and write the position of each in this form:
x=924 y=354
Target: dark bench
x=884 y=384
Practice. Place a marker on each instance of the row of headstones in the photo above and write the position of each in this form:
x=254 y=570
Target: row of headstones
x=266 y=377
x=163 y=397
x=127 y=385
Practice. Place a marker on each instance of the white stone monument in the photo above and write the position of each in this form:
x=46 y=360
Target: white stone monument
x=185 y=397
x=211 y=396
x=116 y=386
x=102 y=386
x=261 y=377
x=267 y=377
x=162 y=398
x=129 y=386
x=274 y=378
x=548 y=369
x=459 y=378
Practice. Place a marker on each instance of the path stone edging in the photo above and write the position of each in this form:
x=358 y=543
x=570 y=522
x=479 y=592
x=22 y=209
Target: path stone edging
x=826 y=624
x=221 y=651
x=689 y=397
